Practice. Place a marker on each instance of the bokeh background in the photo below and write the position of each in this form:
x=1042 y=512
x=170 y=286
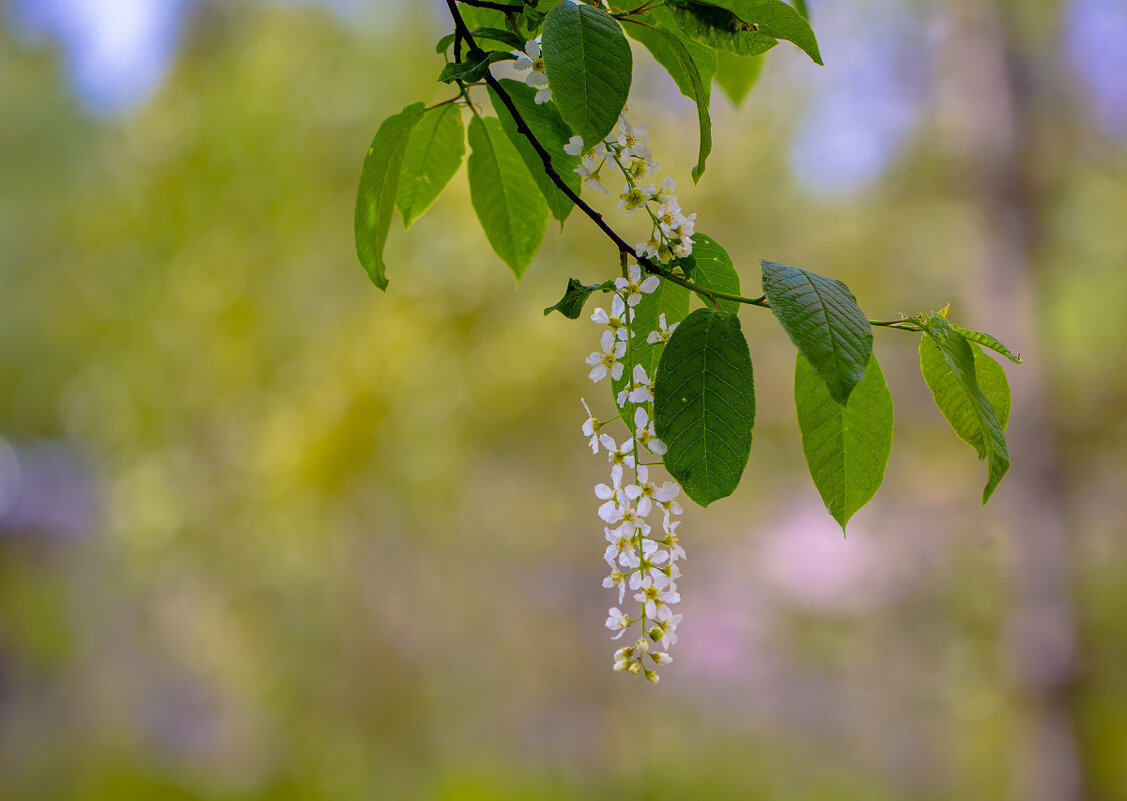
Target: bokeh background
x=266 y=532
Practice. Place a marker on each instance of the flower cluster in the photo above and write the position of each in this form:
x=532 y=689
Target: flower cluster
x=628 y=149
x=643 y=559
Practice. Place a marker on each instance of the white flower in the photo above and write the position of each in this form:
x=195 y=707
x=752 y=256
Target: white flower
x=621 y=548
x=616 y=579
x=634 y=197
x=617 y=320
x=591 y=428
x=618 y=455
x=589 y=170
x=574 y=146
x=653 y=598
x=663 y=332
x=617 y=622
x=634 y=287
x=644 y=429
x=607 y=361
x=684 y=248
x=611 y=511
x=538 y=76
x=643 y=387
x=666 y=631
x=633 y=140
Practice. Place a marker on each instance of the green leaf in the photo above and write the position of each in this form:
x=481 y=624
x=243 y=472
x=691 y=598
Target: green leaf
x=508 y=203
x=507 y=38
x=575 y=296
x=433 y=156
x=989 y=342
x=773 y=18
x=669 y=299
x=714 y=270
x=589 y=67
x=719 y=28
x=846 y=447
x=444 y=43
x=548 y=127
x=379 y=183
x=690 y=64
x=482 y=17
x=800 y=7
x=822 y=319
x=950 y=367
x=737 y=74
x=473 y=67
x=704 y=404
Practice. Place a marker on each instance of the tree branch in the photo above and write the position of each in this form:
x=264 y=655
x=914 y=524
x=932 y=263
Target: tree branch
x=494 y=6
x=462 y=32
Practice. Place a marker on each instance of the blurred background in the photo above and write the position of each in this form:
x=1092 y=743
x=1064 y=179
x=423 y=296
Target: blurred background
x=266 y=532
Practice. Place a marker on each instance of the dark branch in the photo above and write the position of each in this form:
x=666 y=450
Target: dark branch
x=546 y=158
x=494 y=6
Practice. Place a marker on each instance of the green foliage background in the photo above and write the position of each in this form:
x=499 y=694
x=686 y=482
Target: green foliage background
x=343 y=544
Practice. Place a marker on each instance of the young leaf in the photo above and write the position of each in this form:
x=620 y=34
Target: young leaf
x=552 y=132
x=589 y=66
x=575 y=296
x=714 y=270
x=846 y=447
x=737 y=74
x=668 y=299
x=950 y=368
x=691 y=66
x=704 y=404
x=473 y=67
x=775 y=18
x=508 y=203
x=379 y=183
x=433 y=156
x=823 y=320
x=719 y=28
x=989 y=342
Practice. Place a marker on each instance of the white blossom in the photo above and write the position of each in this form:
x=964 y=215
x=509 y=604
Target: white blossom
x=663 y=332
x=634 y=287
x=617 y=321
x=644 y=431
x=617 y=622
x=591 y=428
x=607 y=361
x=538 y=75
x=611 y=510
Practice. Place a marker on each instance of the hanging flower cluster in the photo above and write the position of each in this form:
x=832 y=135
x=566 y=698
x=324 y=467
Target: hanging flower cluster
x=643 y=559
x=627 y=147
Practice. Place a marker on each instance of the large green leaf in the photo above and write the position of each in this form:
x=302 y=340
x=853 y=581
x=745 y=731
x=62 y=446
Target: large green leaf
x=737 y=74
x=668 y=299
x=433 y=156
x=704 y=404
x=776 y=18
x=508 y=203
x=551 y=131
x=714 y=270
x=589 y=66
x=690 y=64
x=846 y=447
x=959 y=379
x=823 y=320
x=719 y=28
x=379 y=184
